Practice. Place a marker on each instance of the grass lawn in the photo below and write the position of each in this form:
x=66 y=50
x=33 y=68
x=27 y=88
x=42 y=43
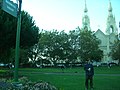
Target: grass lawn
x=73 y=79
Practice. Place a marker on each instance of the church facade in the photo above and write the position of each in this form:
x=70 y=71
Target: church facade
x=108 y=38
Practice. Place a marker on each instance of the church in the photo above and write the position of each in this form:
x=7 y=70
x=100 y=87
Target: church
x=108 y=38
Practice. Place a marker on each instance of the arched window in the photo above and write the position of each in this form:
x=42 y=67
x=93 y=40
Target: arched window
x=111 y=29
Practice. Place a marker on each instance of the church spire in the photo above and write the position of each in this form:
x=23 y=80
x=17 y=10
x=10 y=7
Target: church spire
x=85 y=10
x=85 y=19
x=111 y=23
x=110 y=7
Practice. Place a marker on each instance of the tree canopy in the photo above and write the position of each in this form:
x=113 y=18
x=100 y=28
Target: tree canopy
x=8 y=26
x=116 y=50
x=67 y=47
x=89 y=46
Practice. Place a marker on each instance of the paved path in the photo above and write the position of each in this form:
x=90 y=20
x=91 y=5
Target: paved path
x=69 y=73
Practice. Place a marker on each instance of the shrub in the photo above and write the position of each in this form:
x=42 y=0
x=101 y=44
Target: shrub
x=25 y=84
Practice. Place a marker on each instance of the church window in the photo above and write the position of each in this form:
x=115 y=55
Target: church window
x=111 y=29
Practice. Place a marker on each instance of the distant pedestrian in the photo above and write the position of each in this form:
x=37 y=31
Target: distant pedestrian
x=89 y=71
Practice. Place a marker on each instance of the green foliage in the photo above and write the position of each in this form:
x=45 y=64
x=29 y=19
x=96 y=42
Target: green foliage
x=25 y=84
x=116 y=51
x=23 y=56
x=8 y=26
x=29 y=31
x=53 y=44
x=58 y=45
x=89 y=46
x=68 y=47
x=74 y=47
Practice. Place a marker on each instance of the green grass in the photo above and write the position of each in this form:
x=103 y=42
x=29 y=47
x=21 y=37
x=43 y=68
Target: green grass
x=73 y=79
x=2 y=71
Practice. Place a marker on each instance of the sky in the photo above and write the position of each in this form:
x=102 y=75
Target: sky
x=67 y=14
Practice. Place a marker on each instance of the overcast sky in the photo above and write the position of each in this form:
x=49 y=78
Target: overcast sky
x=67 y=14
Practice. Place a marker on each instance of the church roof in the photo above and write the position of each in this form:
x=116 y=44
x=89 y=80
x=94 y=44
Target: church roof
x=99 y=32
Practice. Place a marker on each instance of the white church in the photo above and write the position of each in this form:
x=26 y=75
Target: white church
x=108 y=38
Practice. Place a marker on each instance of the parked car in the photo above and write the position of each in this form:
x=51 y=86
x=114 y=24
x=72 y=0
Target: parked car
x=10 y=65
x=97 y=64
x=3 y=65
x=112 y=64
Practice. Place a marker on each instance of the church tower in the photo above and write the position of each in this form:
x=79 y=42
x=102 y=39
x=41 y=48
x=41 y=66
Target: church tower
x=111 y=32
x=111 y=23
x=85 y=19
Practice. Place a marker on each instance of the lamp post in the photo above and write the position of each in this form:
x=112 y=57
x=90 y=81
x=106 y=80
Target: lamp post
x=17 y=42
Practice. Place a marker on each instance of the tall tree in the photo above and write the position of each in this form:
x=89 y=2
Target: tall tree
x=116 y=51
x=89 y=46
x=29 y=31
x=8 y=27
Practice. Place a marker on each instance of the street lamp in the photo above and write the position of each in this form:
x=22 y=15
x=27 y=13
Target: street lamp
x=17 y=41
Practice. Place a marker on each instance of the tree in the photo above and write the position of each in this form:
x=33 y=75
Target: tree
x=8 y=27
x=56 y=46
x=29 y=31
x=68 y=47
x=116 y=50
x=52 y=44
x=89 y=46
x=73 y=53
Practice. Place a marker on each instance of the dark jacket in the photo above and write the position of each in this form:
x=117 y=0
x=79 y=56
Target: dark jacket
x=89 y=69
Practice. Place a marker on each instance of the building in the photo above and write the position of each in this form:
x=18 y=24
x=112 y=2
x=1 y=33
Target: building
x=109 y=37
x=86 y=19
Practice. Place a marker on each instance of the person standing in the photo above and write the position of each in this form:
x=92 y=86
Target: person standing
x=89 y=71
